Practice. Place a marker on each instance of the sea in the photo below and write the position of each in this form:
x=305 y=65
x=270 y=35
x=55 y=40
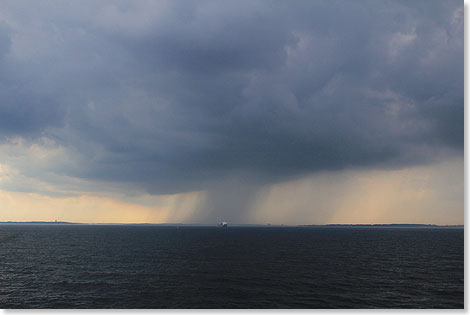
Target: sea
x=192 y=267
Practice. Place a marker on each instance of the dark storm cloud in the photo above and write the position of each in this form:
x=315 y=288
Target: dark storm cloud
x=176 y=96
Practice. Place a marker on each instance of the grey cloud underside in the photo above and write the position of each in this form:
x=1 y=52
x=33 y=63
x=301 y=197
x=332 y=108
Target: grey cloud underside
x=175 y=97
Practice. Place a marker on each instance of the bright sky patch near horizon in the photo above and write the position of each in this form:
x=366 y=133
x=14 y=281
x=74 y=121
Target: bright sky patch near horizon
x=311 y=112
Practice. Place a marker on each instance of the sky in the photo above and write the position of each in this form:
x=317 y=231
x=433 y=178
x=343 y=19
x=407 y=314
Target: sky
x=281 y=112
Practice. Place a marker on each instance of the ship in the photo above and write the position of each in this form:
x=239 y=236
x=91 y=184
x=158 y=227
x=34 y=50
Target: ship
x=223 y=224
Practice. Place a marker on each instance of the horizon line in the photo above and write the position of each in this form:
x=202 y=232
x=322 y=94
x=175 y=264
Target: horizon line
x=236 y=224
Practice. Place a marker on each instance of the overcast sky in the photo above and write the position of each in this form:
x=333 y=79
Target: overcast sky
x=249 y=111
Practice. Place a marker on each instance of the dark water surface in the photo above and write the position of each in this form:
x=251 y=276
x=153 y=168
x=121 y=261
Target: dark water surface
x=86 y=266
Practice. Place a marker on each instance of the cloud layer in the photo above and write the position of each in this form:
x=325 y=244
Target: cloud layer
x=177 y=96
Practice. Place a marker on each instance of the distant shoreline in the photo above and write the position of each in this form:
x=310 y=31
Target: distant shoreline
x=393 y=225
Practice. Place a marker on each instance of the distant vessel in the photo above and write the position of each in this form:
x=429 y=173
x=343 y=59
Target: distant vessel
x=223 y=224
